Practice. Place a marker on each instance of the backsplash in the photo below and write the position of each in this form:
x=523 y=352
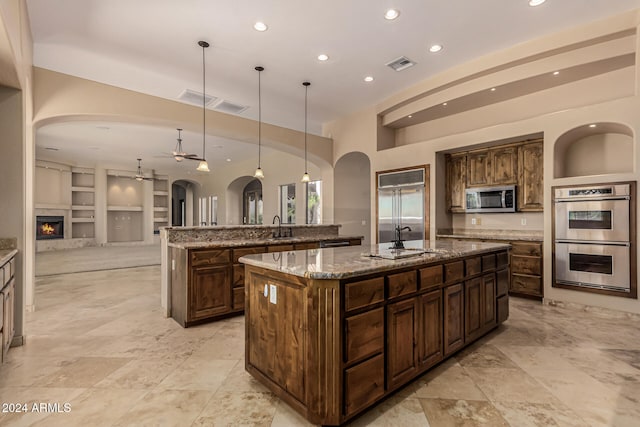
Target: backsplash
x=8 y=243
x=519 y=221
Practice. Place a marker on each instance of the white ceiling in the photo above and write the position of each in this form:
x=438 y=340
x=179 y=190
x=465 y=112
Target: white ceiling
x=150 y=46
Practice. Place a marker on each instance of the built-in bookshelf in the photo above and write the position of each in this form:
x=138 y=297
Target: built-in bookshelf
x=160 y=203
x=83 y=209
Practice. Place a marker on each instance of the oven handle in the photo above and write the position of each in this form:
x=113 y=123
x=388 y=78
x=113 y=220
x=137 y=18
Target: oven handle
x=595 y=199
x=594 y=242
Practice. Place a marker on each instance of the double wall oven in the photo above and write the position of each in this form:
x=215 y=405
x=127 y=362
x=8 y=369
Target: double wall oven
x=593 y=236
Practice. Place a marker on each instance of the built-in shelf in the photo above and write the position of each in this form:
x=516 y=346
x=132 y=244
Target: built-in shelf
x=83 y=220
x=82 y=207
x=160 y=209
x=52 y=206
x=160 y=193
x=83 y=189
x=160 y=219
x=125 y=208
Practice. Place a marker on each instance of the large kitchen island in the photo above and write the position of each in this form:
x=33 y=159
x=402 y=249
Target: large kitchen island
x=334 y=331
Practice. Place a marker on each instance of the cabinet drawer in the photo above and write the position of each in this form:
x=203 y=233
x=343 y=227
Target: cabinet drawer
x=237 y=253
x=303 y=246
x=238 y=299
x=454 y=271
x=238 y=275
x=502 y=282
x=430 y=277
x=364 y=384
x=488 y=262
x=472 y=266
x=502 y=304
x=280 y=248
x=210 y=256
x=526 y=265
x=530 y=249
x=401 y=284
x=364 y=335
x=502 y=259
x=363 y=293
x=526 y=284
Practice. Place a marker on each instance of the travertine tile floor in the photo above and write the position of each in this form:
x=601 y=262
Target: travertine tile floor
x=99 y=343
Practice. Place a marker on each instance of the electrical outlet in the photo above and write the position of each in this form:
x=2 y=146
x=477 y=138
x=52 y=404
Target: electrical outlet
x=364 y=222
x=523 y=221
x=273 y=294
x=473 y=221
x=478 y=221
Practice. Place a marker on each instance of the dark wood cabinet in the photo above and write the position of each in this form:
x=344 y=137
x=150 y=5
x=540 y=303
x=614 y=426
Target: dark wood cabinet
x=478 y=168
x=504 y=165
x=456 y=180
x=429 y=329
x=526 y=269
x=488 y=302
x=473 y=308
x=402 y=336
x=207 y=297
x=453 y=302
x=530 y=177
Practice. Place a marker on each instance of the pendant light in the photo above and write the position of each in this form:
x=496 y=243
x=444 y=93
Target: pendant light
x=203 y=166
x=305 y=177
x=259 y=174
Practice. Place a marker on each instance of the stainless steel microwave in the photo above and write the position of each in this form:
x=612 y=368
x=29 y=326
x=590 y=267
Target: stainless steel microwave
x=491 y=199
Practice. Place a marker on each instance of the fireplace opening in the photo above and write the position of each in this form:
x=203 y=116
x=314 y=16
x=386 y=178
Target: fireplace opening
x=49 y=227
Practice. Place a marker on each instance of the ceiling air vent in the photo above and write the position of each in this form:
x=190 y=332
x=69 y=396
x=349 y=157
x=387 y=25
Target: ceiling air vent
x=195 y=98
x=401 y=63
x=229 y=107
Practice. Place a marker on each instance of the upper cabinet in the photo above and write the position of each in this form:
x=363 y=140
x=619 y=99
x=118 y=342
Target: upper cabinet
x=530 y=157
x=456 y=168
x=517 y=164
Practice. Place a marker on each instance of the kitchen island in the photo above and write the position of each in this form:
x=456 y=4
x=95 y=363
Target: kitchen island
x=334 y=331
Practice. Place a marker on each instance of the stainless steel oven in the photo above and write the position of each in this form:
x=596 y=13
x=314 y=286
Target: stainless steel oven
x=593 y=265
x=592 y=236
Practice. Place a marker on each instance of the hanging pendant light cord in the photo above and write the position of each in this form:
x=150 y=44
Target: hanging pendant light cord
x=204 y=121
x=259 y=115
x=306 y=90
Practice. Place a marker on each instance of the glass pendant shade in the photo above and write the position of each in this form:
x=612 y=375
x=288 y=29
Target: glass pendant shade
x=306 y=177
x=259 y=174
x=203 y=166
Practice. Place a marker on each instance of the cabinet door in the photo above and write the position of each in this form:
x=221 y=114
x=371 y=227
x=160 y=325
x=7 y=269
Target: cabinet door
x=8 y=329
x=430 y=329
x=473 y=307
x=478 y=168
x=453 y=304
x=210 y=292
x=504 y=165
x=456 y=170
x=530 y=176
x=488 y=301
x=401 y=342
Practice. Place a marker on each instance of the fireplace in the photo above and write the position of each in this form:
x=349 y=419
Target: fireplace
x=49 y=227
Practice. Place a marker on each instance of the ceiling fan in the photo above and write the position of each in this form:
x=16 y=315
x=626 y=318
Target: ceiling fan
x=139 y=175
x=179 y=154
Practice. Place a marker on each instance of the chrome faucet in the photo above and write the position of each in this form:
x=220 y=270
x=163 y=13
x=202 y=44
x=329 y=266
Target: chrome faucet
x=397 y=243
x=279 y=226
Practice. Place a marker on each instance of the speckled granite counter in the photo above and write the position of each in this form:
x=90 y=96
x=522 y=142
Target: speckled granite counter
x=237 y=243
x=6 y=255
x=341 y=263
x=506 y=235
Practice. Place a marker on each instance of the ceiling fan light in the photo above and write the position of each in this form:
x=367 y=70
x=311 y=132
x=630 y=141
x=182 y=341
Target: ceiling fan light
x=259 y=174
x=203 y=166
x=139 y=178
x=178 y=158
x=306 y=178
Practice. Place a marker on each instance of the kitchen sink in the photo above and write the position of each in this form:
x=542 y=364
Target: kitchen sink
x=401 y=253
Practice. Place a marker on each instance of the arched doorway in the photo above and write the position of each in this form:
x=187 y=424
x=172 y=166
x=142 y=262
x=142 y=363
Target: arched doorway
x=252 y=211
x=352 y=203
x=182 y=203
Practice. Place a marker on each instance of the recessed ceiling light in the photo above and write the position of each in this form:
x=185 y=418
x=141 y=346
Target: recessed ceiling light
x=409 y=116
x=260 y=26
x=368 y=79
x=444 y=104
x=536 y=2
x=228 y=160
x=435 y=48
x=493 y=89
x=323 y=57
x=555 y=73
x=391 y=14
x=592 y=125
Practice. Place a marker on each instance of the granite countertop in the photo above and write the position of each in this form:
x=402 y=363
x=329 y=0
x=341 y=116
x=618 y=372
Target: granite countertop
x=248 y=226
x=352 y=261
x=534 y=236
x=6 y=254
x=237 y=243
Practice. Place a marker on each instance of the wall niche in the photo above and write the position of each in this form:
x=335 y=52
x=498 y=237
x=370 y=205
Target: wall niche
x=594 y=149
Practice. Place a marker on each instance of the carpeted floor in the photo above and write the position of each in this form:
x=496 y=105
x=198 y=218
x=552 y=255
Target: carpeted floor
x=95 y=259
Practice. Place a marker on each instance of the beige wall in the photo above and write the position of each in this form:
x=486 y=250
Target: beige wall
x=598 y=155
x=352 y=173
x=554 y=113
x=54 y=184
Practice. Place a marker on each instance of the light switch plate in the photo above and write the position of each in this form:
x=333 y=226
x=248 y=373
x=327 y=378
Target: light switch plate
x=473 y=221
x=273 y=294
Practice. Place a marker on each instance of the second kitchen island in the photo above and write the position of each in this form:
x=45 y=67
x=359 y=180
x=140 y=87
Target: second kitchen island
x=333 y=331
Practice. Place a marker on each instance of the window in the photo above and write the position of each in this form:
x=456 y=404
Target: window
x=314 y=202
x=288 y=203
x=252 y=201
x=207 y=210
